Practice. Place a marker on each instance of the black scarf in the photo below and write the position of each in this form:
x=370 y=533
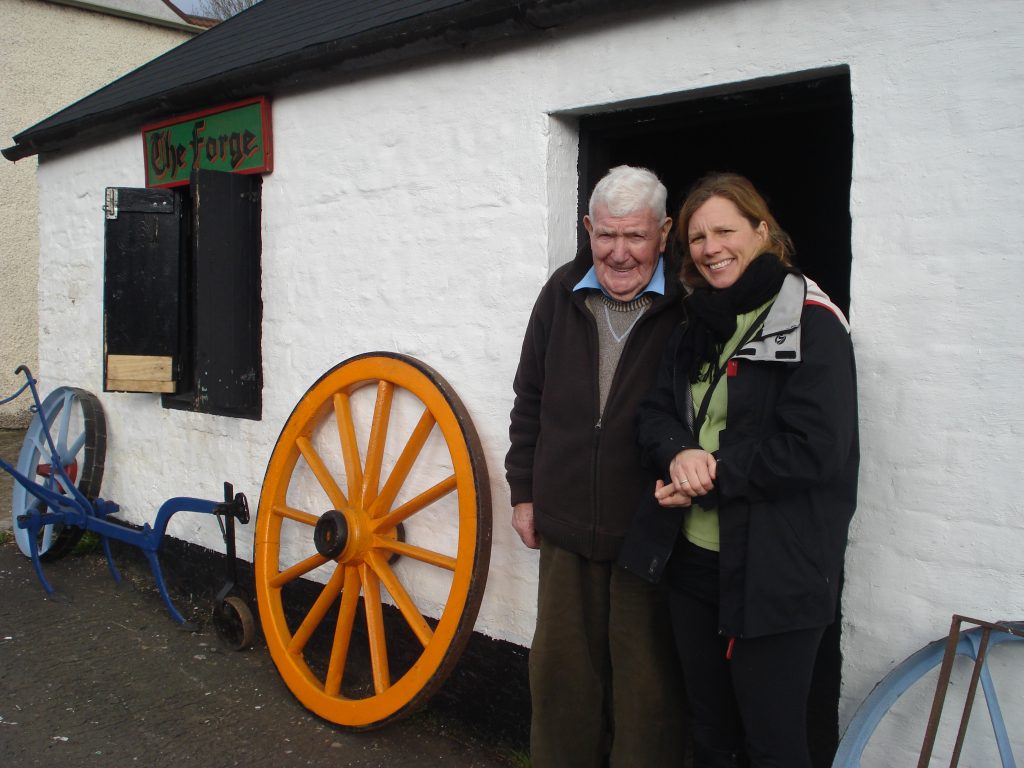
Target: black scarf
x=712 y=313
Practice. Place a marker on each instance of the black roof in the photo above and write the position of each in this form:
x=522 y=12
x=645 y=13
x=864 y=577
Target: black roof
x=276 y=40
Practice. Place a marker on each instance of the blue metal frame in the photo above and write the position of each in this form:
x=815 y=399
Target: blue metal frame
x=75 y=509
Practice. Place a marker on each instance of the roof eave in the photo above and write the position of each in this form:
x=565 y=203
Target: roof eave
x=466 y=25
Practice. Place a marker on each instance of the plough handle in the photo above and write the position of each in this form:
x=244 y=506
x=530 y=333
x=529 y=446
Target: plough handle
x=28 y=383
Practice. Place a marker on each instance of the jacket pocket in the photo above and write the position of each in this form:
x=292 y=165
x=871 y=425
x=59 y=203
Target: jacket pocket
x=785 y=558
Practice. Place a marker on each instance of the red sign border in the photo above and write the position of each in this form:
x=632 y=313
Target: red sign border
x=265 y=124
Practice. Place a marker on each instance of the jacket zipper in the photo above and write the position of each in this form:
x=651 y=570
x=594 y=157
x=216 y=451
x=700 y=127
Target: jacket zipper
x=595 y=349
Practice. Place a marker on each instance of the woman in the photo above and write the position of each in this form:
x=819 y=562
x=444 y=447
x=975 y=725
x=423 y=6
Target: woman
x=753 y=426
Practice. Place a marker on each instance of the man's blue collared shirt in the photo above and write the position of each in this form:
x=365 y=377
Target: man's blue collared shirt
x=656 y=284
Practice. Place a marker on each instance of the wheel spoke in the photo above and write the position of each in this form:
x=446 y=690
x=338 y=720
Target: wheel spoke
x=295 y=514
x=343 y=632
x=405 y=603
x=416 y=553
x=375 y=629
x=74 y=448
x=378 y=436
x=417 y=504
x=404 y=465
x=316 y=614
x=299 y=569
x=323 y=475
x=349 y=448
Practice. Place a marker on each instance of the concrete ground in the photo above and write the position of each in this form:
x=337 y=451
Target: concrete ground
x=103 y=677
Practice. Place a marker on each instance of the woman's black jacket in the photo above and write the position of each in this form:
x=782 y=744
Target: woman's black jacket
x=787 y=462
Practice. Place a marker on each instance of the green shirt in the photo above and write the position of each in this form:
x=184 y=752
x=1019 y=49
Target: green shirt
x=700 y=525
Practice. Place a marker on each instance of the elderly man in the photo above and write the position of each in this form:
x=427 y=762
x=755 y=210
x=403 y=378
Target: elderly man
x=604 y=678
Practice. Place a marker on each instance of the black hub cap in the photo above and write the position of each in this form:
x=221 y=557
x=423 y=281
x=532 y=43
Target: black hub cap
x=331 y=534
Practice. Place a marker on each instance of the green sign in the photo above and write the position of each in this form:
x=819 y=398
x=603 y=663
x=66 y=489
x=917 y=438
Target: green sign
x=235 y=138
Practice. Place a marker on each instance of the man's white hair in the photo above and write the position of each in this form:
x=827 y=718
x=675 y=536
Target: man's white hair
x=625 y=190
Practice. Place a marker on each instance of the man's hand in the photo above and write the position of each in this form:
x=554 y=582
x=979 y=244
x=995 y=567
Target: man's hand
x=522 y=521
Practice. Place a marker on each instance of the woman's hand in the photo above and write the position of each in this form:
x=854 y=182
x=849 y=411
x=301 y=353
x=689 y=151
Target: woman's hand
x=668 y=496
x=692 y=472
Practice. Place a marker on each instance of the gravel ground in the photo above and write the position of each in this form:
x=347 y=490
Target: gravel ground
x=101 y=676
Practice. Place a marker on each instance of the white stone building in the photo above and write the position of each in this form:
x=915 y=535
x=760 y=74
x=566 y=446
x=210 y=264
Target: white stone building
x=426 y=184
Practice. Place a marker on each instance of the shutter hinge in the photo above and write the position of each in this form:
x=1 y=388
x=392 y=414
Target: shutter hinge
x=110 y=206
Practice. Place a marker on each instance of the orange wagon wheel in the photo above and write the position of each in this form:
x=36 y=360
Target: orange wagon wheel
x=378 y=458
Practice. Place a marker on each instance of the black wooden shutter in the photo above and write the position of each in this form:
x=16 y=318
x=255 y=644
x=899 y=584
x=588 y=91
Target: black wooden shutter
x=226 y=289
x=142 y=290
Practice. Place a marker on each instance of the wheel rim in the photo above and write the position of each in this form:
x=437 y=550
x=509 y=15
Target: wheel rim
x=315 y=471
x=234 y=622
x=79 y=431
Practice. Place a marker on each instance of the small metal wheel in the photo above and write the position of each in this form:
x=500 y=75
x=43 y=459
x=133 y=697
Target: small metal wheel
x=359 y=640
x=235 y=623
x=79 y=431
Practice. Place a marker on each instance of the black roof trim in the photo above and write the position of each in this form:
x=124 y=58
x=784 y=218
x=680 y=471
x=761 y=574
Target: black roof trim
x=275 y=39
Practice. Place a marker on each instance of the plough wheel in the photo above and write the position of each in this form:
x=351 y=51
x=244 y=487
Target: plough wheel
x=366 y=640
x=79 y=431
x=234 y=622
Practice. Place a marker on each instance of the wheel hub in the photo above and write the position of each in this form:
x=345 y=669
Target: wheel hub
x=331 y=534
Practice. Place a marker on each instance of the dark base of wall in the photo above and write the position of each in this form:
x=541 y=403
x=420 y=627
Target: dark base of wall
x=487 y=694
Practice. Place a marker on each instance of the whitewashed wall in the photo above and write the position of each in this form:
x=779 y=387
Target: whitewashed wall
x=421 y=210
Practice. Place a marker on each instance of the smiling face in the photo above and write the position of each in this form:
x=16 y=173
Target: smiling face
x=626 y=249
x=723 y=242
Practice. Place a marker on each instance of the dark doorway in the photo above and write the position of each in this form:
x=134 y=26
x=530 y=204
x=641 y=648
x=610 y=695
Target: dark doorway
x=794 y=140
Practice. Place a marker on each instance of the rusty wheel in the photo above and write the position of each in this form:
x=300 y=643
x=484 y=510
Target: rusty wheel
x=361 y=639
x=234 y=623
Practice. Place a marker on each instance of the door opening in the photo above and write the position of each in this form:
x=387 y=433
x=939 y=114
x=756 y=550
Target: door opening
x=793 y=140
